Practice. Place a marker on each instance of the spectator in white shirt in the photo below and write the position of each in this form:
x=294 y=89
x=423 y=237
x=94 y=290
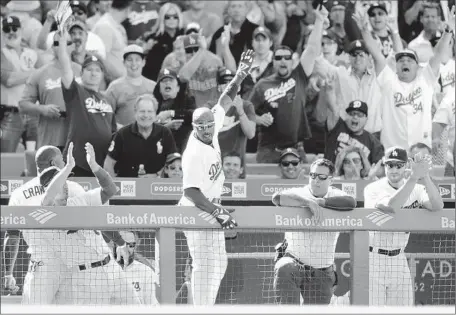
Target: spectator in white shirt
x=408 y=91
x=430 y=19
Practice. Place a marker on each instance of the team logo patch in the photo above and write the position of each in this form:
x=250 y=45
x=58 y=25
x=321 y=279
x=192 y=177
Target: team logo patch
x=42 y=215
x=379 y=218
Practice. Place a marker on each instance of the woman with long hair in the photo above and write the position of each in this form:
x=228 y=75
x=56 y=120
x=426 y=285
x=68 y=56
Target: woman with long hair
x=170 y=26
x=352 y=164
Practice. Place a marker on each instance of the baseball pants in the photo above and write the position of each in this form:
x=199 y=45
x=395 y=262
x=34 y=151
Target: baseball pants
x=390 y=280
x=103 y=285
x=293 y=279
x=43 y=280
x=210 y=260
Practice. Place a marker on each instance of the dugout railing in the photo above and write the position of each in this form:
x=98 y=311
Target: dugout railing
x=168 y=221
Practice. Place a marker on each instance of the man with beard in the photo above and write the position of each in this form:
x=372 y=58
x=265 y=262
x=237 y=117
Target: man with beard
x=279 y=99
x=390 y=280
x=349 y=132
x=408 y=91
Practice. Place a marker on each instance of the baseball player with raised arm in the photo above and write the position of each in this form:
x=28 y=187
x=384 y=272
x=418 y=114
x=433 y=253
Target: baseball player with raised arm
x=46 y=271
x=95 y=277
x=305 y=260
x=390 y=281
x=202 y=183
x=139 y=271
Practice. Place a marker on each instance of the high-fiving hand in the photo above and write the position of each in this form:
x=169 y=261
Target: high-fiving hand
x=91 y=158
x=245 y=64
x=70 y=159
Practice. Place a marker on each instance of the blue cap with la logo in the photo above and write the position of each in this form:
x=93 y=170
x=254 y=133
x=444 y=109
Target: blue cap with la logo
x=396 y=154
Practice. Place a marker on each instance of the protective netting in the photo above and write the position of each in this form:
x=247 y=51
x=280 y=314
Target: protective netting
x=422 y=274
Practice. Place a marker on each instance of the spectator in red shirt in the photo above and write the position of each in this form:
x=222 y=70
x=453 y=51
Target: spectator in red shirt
x=91 y=118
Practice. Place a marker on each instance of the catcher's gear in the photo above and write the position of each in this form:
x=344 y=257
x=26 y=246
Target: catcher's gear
x=224 y=218
x=10 y=284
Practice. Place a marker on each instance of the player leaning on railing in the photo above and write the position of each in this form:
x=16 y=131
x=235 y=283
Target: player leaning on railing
x=390 y=281
x=202 y=183
x=305 y=259
x=95 y=278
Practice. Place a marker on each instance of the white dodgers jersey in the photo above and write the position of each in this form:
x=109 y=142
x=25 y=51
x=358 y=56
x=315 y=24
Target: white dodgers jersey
x=202 y=163
x=79 y=247
x=381 y=191
x=143 y=279
x=32 y=194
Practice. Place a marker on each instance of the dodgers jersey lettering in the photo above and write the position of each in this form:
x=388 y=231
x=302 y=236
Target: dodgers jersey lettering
x=203 y=163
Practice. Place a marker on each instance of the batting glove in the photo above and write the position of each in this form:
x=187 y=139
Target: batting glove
x=10 y=284
x=225 y=219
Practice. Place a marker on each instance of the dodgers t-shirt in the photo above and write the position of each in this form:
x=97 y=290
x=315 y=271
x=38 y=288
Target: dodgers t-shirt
x=91 y=119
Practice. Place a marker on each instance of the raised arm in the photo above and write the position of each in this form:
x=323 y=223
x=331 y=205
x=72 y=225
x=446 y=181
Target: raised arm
x=313 y=48
x=245 y=65
x=64 y=59
x=108 y=188
x=443 y=46
x=190 y=67
x=59 y=180
x=362 y=21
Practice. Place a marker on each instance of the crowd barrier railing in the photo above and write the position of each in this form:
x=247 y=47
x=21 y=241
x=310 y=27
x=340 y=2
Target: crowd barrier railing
x=166 y=220
x=239 y=190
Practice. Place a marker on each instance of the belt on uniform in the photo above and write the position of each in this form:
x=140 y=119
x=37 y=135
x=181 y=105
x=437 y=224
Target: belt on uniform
x=307 y=267
x=95 y=264
x=9 y=109
x=386 y=252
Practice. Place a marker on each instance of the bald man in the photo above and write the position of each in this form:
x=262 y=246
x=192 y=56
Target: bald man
x=202 y=184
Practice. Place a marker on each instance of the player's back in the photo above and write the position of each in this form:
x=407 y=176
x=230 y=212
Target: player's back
x=32 y=193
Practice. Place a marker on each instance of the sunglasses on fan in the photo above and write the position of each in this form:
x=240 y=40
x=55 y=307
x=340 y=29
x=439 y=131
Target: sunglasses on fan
x=9 y=29
x=320 y=176
x=278 y=58
x=288 y=163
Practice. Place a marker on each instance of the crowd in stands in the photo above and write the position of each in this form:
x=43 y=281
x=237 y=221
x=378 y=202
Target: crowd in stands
x=347 y=81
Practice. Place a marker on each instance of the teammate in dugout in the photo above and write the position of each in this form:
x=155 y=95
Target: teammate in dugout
x=46 y=272
x=95 y=277
x=304 y=262
x=391 y=282
x=202 y=183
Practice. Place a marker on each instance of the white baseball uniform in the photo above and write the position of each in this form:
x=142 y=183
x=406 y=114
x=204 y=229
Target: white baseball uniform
x=202 y=168
x=46 y=271
x=144 y=281
x=447 y=77
x=407 y=108
x=95 y=276
x=445 y=115
x=390 y=281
